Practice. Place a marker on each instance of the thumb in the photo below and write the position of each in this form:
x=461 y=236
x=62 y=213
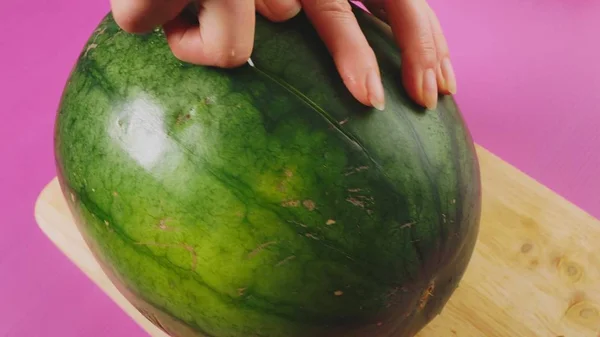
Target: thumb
x=140 y=16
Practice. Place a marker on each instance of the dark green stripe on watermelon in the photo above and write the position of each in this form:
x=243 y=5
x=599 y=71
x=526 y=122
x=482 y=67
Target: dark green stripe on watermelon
x=266 y=201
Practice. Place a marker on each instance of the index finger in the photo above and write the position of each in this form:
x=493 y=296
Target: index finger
x=338 y=28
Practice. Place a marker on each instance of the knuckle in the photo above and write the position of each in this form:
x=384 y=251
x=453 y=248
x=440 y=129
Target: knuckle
x=426 y=49
x=335 y=7
x=441 y=45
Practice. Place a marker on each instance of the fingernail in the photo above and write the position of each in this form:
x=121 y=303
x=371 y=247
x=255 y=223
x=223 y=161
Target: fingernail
x=430 y=91
x=375 y=91
x=284 y=9
x=295 y=8
x=448 y=73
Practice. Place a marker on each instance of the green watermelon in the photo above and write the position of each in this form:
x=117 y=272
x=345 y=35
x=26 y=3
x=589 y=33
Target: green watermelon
x=265 y=200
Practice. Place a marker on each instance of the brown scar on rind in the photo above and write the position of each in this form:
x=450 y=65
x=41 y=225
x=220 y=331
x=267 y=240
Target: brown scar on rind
x=297 y=223
x=162 y=225
x=288 y=174
x=291 y=203
x=309 y=205
x=194 y=256
x=183 y=117
x=356 y=169
x=312 y=236
x=356 y=202
x=260 y=248
x=364 y=197
x=407 y=225
x=427 y=294
x=286 y=260
x=90 y=47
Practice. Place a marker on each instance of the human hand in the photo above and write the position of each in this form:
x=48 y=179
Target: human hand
x=426 y=65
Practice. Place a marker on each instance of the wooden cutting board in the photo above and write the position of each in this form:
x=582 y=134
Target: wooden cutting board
x=535 y=271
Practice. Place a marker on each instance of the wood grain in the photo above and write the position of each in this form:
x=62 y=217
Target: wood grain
x=535 y=271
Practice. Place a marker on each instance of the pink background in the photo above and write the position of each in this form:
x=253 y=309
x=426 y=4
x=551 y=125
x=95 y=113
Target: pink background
x=529 y=78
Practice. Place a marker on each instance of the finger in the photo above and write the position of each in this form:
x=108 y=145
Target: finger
x=140 y=16
x=412 y=29
x=354 y=58
x=215 y=41
x=445 y=72
x=278 y=10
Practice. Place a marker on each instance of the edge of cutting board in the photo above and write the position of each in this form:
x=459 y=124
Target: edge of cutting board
x=535 y=270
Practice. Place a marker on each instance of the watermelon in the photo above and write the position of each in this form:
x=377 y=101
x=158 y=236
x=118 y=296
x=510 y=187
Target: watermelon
x=265 y=200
